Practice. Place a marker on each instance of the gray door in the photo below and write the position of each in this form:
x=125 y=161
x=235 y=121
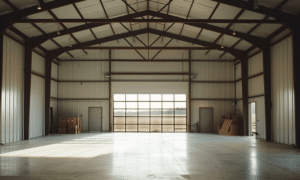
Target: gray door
x=95 y=119
x=206 y=121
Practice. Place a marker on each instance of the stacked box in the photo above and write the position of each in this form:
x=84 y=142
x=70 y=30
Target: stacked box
x=74 y=124
x=73 y=129
x=218 y=128
x=63 y=126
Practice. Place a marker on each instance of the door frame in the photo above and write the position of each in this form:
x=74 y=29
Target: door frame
x=249 y=115
x=101 y=118
x=200 y=119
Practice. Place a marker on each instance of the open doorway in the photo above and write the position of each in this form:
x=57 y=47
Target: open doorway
x=253 y=119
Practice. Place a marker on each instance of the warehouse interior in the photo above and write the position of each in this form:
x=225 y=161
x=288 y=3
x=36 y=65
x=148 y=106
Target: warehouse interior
x=151 y=82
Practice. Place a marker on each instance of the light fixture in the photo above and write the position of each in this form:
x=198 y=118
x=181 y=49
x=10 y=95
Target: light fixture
x=70 y=43
x=58 y=33
x=107 y=76
x=233 y=32
x=193 y=76
x=222 y=42
x=39 y=7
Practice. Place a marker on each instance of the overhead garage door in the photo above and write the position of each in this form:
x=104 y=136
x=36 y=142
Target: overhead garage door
x=150 y=113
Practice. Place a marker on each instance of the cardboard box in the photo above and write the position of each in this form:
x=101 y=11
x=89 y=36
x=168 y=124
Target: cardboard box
x=73 y=129
x=63 y=130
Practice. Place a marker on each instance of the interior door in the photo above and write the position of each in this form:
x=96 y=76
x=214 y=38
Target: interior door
x=95 y=119
x=206 y=121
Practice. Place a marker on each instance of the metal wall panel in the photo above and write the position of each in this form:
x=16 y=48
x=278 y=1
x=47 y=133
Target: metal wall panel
x=12 y=92
x=220 y=108
x=283 y=109
x=150 y=87
x=83 y=70
x=81 y=109
x=83 y=90
x=213 y=90
x=213 y=71
x=239 y=93
x=151 y=67
x=255 y=64
x=37 y=107
x=54 y=72
x=38 y=64
x=256 y=86
x=54 y=89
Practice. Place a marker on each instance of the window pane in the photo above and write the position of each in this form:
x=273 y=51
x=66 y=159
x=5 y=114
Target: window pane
x=180 y=112
x=168 y=128
x=143 y=104
x=168 y=105
x=143 y=97
x=180 y=128
x=119 y=120
x=119 y=112
x=131 y=112
x=180 y=120
x=155 y=120
x=119 y=128
x=131 y=105
x=180 y=97
x=143 y=128
x=144 y=120
x=131 y=120
x=119 y=105
x=131 y=97
x=168 y=120
x=155 y=97
x=180 y=104
x=119 y=97
x=155 y=112
x=155 y=104
x=168 y=97
x=168 y=112
x=155 y=128
x=131 y=128
x=144 y=112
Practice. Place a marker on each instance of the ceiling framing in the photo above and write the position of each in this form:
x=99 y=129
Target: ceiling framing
x=159 y=14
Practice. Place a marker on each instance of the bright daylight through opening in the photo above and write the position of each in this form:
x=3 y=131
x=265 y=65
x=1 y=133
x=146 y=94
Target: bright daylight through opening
x=150 y=113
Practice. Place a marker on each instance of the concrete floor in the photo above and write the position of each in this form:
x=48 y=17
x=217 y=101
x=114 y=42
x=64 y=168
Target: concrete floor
x=144 y=156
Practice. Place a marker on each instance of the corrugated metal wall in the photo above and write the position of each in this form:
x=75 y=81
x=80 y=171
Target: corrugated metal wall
x=72 y=91
x=213 y=71
x=37 y=98
x=12 y=92
x=283 y=109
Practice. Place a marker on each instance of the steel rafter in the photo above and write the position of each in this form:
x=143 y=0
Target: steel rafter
x=177 y=20
x=187 y=16
x=234 y=52
x=108 y=18
x=228 y=27
x=257 y=25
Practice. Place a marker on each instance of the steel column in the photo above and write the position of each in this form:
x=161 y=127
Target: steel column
x=190 y=92
x=296 y=49
x=110 y=126
x=244 y=63
x=27 y=89
x=267 y=85
x=48 y=69
x=1 y=73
